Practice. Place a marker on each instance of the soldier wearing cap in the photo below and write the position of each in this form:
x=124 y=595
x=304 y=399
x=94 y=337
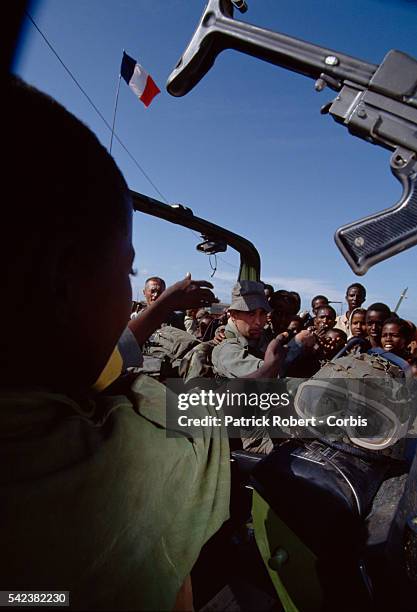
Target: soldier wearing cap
x=242 y=352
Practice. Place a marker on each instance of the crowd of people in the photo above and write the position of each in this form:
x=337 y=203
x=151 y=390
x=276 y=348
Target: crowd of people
x=97 y=498
x=257 y=314
x=233 y=344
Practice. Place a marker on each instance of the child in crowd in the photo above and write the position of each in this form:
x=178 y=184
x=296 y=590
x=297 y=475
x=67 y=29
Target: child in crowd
x=332 y=342
x=295 y=325
x=357 y=323
x=395 y=337
x=376 y=315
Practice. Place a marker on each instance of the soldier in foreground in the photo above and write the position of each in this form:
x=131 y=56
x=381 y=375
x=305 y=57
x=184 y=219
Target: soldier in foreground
x=97 y=499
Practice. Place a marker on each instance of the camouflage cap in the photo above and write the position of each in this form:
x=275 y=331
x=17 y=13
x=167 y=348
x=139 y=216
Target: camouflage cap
x=249 y=295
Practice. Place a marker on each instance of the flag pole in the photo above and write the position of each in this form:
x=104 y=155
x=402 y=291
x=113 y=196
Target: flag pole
x=402 y=296
x=115 y=111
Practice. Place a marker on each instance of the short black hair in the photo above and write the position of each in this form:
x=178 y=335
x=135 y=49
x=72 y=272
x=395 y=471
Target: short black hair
x=283 y=300
x=357 y=286
x=267 y=286
x=340 y=332
x=297 y=298
x=380 y=307
x=358 y=310
x=405 y=328
x=327 y=307
x=319 y=297
x=155 y=278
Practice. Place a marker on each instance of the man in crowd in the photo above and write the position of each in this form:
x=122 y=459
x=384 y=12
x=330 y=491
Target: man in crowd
x=316 y=302
x=355 y=297
x=309 y=362
x=153 y=289
x=325 y=319
x=193 y=318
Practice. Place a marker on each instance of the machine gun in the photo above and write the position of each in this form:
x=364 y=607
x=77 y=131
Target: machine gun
x=375 y=103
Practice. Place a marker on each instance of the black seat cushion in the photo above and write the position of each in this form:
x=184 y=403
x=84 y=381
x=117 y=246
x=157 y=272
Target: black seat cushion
x=322 y=494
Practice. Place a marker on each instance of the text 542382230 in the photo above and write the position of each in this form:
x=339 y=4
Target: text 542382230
x=34 y=598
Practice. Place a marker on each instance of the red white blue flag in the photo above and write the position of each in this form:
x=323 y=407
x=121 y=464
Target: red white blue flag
x=139 y=81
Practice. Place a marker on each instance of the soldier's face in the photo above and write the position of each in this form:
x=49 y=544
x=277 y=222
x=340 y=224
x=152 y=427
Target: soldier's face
x=249 y=324
x=153 y=290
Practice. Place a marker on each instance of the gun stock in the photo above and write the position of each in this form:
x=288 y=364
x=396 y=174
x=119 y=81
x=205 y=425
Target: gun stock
x=217 y=31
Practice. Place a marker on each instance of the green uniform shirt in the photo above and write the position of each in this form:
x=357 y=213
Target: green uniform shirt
x=235 y=356
x=97 y=500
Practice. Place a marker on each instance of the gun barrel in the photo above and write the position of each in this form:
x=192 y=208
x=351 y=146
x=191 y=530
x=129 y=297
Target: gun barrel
x=217 y=31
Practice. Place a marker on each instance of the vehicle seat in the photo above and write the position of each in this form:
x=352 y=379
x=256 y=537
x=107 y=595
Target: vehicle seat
x=322 y=494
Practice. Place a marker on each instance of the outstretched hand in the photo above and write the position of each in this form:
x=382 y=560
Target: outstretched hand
x=275 y=355
x=180 y=296
x=219 y=336
x=307 y=337
x=188 y=293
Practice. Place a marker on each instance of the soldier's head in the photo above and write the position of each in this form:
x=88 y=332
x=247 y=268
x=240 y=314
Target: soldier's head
x=204 y=322
x=153 y=288
x=66 y=247
x=249 y=308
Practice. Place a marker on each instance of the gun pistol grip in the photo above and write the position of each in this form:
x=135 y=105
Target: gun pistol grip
x=365 y=242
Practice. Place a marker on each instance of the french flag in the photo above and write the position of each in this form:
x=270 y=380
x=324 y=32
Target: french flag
x=139 y=81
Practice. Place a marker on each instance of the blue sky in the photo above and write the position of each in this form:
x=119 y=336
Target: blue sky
x=247 y=148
